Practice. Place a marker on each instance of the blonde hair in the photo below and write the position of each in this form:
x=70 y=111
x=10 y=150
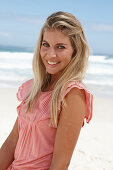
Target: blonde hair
x=75 y=70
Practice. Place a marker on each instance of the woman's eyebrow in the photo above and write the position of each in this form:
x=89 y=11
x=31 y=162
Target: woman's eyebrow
x=61 y=44
x=55 y=44
x=44 y=41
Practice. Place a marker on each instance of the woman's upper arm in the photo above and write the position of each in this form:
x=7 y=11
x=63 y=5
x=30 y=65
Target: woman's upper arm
x=70 y=123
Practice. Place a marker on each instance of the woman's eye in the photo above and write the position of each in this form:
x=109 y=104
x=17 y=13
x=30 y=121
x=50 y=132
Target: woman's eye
x=45 y=44
x=61 y=47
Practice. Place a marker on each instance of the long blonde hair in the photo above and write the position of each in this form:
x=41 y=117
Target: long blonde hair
x=76 y=69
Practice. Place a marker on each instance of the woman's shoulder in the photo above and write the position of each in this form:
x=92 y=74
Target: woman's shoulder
x=24 y=89
x=78 y=88
x=74 y=90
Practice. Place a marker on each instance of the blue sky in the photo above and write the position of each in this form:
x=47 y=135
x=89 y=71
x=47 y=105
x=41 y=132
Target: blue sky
x=21 y=21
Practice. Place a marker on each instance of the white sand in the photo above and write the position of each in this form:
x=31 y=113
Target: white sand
x=94 y=150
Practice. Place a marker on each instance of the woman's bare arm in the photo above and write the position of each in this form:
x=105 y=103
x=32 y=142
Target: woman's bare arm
x=70 y=123
x=8 y=148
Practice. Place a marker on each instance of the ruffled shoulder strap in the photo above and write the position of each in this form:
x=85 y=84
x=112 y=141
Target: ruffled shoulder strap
x=24 y=90
x=88 y=95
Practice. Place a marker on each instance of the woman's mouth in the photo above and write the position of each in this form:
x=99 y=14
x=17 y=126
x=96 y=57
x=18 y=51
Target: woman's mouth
x=52 y=63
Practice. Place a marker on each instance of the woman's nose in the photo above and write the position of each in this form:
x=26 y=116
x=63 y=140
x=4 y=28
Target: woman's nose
x=51 y=53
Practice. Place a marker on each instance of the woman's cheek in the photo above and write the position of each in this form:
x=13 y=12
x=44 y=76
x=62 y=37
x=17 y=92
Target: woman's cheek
x=43 y=51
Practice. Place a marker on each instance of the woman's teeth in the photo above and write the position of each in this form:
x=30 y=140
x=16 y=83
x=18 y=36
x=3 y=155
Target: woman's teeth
x=49 y=62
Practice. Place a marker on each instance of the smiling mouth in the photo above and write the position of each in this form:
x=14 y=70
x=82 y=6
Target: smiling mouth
x=52 y=63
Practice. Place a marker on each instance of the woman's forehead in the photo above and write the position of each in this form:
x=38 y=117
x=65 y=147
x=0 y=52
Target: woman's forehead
x=55 y=36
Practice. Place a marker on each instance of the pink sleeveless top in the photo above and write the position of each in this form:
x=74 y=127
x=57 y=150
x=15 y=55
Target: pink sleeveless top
x=35 y=145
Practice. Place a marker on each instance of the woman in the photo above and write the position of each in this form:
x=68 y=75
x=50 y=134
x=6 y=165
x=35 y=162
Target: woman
x=54 y=103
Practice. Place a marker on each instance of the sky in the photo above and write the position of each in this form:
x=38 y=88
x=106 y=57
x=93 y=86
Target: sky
x=21 y=21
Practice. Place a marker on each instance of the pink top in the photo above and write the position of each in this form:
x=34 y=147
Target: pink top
x=35 y=145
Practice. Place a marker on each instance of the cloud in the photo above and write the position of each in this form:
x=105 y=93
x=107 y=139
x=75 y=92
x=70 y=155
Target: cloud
x=100 y=27
x=22 y=18
x=5 y=34
x=33 y=20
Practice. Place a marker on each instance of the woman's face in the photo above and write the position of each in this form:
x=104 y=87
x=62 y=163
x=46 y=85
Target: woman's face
x=56 y=51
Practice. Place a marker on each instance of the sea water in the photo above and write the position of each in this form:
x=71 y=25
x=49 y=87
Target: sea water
x=16 y=67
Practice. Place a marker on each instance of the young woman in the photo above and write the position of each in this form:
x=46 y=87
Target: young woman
x=54 y=103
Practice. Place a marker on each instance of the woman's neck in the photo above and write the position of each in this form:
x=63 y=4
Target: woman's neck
x=50 y=85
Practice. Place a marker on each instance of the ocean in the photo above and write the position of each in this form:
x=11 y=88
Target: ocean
x=16 y=67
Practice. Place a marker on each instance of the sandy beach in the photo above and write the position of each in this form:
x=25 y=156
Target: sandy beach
x=94 y=149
